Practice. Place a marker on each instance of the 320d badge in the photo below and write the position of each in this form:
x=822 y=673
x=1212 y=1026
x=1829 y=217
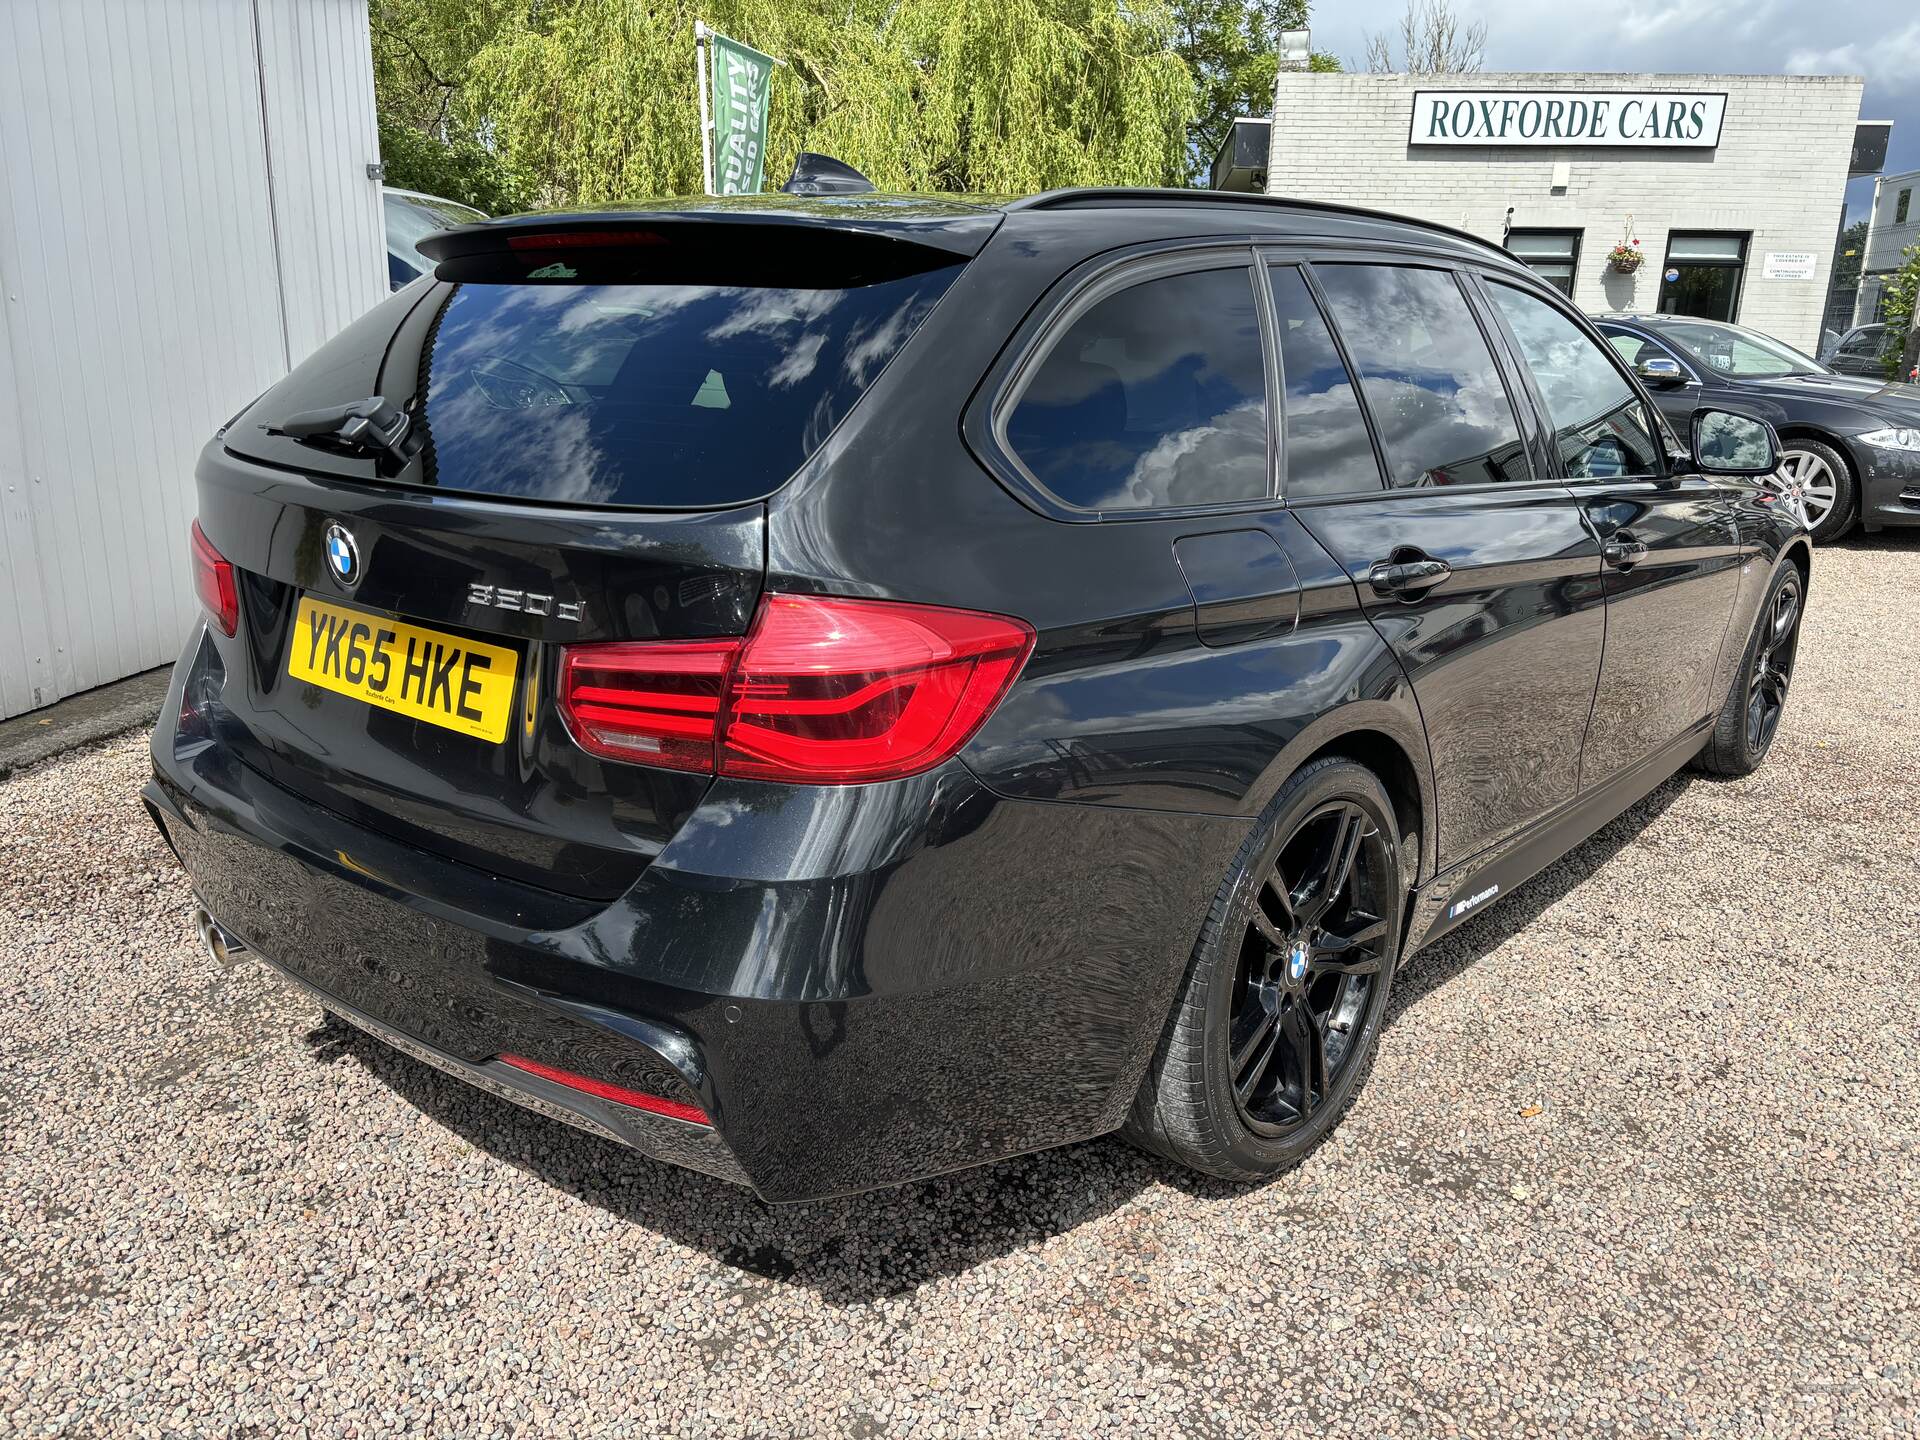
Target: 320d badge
x=831 y=690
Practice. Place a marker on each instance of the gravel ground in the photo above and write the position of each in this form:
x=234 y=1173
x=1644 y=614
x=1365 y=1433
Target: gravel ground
x=1641 y=1154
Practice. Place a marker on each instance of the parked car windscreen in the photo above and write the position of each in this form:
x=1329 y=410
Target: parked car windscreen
x=1739 y=353
x=652 y=395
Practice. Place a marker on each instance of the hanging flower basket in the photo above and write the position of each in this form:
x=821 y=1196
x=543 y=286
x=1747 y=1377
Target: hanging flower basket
x=1626 y=257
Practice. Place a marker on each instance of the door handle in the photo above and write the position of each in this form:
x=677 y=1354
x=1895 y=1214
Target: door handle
x=1407 y=579
x=1623 y=552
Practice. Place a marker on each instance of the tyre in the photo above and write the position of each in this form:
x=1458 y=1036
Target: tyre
x=1826 y=485
x=1274 y=1027
x=1750 y=716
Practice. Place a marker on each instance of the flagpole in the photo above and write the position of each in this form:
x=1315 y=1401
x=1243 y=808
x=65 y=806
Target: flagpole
x=701 y=64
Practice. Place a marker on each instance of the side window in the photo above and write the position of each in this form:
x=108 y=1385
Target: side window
x=1154 y=396
x=1432 y=385
x=1600 y=428
x=1325 y=448
x=1862 y=344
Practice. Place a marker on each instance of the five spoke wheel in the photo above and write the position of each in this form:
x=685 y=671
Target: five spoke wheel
x=1312 y=962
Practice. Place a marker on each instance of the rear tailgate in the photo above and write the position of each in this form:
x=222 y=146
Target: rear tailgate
x=596 y=426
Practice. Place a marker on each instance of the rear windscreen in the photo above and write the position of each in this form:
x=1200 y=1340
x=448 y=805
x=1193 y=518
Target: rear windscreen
x=652 y=395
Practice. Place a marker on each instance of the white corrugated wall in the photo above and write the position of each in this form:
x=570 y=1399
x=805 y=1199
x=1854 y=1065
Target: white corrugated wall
x=184 y=210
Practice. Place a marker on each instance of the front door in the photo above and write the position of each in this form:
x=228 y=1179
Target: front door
x=1669 y=545
x=1483 y=577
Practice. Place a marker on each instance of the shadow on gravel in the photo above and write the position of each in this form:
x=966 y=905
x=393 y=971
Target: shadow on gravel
x=891 y=1242
x=1449 y=956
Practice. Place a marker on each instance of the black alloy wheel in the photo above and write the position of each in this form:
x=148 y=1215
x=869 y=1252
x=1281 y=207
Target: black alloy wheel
x=1277 y=1019
x=1773 y=667
x=1312 y=961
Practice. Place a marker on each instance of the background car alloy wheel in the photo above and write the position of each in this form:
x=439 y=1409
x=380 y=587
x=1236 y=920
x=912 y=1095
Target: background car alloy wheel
x=1773 y=667
x=1315 y=948
x=1816 y=475
x=1814 y=479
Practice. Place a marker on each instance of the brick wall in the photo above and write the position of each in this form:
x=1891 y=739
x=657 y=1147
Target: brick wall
x=1780 y=172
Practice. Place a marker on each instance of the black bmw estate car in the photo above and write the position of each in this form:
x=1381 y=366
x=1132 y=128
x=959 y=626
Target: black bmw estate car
x=829 y=691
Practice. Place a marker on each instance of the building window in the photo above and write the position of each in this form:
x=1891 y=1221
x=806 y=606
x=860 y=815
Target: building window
x=1900 y=206
x=1702 y=275
x=1553 y=255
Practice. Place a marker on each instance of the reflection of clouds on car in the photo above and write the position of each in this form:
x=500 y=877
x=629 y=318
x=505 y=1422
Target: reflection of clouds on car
x=1129 y=409
x=612 y=387
x=1440 y=405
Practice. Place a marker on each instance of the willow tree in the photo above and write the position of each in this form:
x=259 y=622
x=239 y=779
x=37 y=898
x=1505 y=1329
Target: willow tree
x=594 y=100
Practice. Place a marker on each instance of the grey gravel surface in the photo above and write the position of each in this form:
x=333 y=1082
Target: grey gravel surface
x=1641 y=1155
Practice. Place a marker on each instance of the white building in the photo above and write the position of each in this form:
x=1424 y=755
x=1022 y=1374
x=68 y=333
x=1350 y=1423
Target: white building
x=185 y=211
x=1892 y=228
x=1733 y=184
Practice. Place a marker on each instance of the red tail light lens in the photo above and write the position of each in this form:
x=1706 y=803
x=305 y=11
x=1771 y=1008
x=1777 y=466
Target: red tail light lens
x=834 y=691
x=823 y=691
x=619 y=1094
x=648 y=703
x=213 y=580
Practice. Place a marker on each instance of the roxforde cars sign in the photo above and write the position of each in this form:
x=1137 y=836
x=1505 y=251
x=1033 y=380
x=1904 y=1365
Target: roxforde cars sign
x=1635 y=119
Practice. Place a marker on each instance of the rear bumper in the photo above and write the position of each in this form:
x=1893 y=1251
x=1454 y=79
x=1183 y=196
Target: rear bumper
x=859 y=986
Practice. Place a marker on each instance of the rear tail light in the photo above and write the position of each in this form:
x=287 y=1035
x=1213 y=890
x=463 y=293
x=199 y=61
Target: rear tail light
x=213 y=579
x=647 y=703
x=822 y=691
x=601 y=1090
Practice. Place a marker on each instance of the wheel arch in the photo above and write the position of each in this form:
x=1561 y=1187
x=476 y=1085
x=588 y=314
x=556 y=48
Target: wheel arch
x=1379 y=735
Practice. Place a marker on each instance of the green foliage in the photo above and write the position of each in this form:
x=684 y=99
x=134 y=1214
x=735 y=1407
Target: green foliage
x=1233 y=49
x=463 y=170
x=1901 y=295
x=582 y=101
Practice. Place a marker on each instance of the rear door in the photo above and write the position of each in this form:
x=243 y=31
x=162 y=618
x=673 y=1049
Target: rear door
x=1669 y=543
x=600 y=423
x=1480 y=573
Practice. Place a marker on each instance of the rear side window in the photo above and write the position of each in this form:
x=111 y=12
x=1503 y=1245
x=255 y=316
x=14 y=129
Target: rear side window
x=1326 y=450
x=1600 y=428
x=1432 y=386
x=1155 y=396
x=652 y=395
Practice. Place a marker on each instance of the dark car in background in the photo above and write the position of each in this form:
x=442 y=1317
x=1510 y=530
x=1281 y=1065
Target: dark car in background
x=1861 y=351
x=1850 y=446
x=410 y=217
x=832 y=691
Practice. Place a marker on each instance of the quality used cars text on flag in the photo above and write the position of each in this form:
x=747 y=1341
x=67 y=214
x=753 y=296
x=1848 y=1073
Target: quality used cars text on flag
x=738 y=88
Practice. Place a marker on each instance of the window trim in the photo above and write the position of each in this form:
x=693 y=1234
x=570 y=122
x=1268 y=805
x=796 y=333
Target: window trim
x=1495 y=350
x=1268 y=261
x=1579 y=240
x=985 y=425
x=1593 y=333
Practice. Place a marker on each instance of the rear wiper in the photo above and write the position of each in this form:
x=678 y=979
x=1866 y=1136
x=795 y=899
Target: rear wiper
x=373 y=426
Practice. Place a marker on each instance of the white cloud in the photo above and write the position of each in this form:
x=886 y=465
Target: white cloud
x=1891 y=64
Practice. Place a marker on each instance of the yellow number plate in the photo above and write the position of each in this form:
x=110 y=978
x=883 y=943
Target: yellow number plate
x=458 y=684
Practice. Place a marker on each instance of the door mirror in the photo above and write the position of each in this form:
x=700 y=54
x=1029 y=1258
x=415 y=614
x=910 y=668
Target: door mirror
x=1657 y=372
x=1728 y=444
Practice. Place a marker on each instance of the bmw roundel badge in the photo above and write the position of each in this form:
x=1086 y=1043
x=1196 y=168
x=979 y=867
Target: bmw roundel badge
x=343 y=556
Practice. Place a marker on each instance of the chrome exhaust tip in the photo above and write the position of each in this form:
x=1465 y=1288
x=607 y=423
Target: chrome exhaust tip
x=220 y=946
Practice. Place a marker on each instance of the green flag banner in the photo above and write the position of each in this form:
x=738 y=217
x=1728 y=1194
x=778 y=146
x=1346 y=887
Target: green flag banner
x=742 y=86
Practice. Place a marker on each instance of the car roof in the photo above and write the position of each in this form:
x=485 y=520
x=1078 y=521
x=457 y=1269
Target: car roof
x=964 y=222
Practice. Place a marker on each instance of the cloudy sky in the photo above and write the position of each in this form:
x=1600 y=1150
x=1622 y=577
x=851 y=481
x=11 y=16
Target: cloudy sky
x=1877 y=39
